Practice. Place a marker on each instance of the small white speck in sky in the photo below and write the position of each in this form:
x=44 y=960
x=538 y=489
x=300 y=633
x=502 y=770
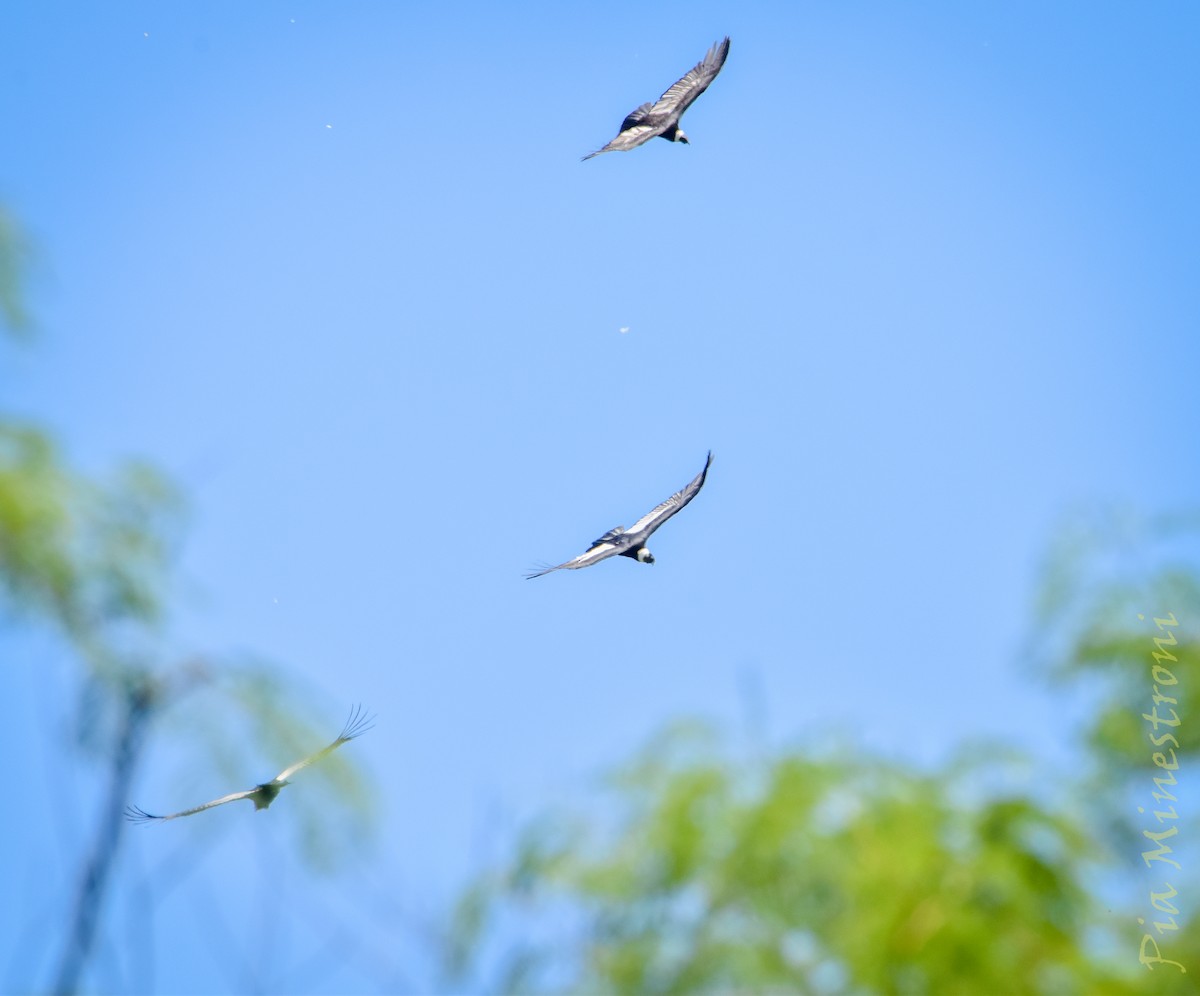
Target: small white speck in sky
x=624 y=329
x=145 y=34
x=329 y=126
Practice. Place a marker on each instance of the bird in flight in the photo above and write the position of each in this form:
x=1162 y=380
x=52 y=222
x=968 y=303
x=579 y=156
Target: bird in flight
x=662 y=118
x=631 y=542
x=263 y=795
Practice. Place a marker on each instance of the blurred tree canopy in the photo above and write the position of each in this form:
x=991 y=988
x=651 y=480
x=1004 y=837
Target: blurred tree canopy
x=92 y=559
x=801 y=872
x=829 y=870
x=1108 y=574
x=88 y=555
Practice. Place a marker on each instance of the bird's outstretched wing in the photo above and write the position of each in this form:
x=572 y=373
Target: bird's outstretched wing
x=357 y=724
x=137 y=815
x=660 y=513
x=602 y=549
x=630 y=136
x=687 y=88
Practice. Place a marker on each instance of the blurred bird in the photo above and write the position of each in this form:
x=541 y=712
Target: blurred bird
x=631 y=542
x=662 y=118
x=263 y=795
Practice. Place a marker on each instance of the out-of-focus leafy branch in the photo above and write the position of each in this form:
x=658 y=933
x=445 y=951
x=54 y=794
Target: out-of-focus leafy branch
x=1104 y=569
x=827 y=871
x=93 y=559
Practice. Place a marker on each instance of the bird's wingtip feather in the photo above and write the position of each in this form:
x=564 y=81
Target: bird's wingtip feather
x=539 y=570
x=135 y=814
x=358 y=723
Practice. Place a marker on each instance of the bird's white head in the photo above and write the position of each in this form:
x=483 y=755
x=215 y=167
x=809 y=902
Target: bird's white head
x=644 y=556
x=681 y=137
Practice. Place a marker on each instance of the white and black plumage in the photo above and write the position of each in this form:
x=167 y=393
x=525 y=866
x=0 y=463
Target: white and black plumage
x=263 y=795
x=661 y=119
x=631 y=542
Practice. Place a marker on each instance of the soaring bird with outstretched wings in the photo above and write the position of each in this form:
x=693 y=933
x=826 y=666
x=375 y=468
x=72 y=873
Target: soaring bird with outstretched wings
x=631 y=542
x=263 y=795
x=661 y=118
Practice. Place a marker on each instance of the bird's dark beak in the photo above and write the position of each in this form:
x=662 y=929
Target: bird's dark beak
x=684 y=140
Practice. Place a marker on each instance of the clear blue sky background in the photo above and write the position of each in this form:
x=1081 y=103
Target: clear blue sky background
x=924 y=281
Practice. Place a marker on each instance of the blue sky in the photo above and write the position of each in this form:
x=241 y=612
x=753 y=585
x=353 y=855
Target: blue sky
x=924 y=281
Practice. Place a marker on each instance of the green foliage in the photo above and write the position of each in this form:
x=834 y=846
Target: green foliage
x=87 y=554
x=1103 y=571
x=92 y=558
x=801 y=873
